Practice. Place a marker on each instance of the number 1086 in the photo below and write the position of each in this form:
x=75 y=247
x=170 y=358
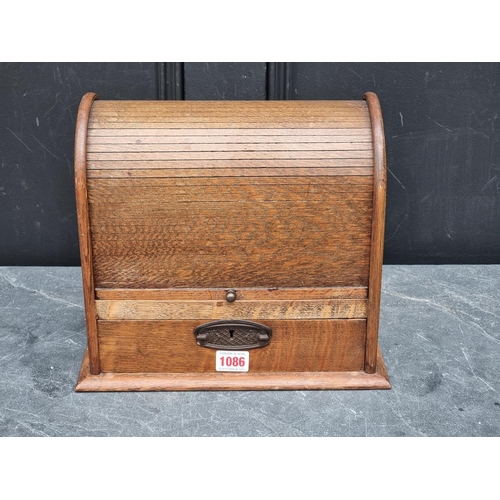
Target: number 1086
x=227 y=361
x=232 y=361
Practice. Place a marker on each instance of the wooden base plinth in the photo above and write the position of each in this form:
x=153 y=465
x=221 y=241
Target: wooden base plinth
x=231 y=381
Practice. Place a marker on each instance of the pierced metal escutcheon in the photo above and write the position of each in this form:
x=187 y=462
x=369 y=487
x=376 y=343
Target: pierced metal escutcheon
x=232 y=335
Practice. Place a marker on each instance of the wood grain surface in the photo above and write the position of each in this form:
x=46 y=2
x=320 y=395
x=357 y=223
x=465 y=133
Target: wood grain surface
x=95 y=142
x=233 y=171
x=220 y=381
x=241 y=293
x=164 y=233
x=231 y=107
x=239 y=114
x=169 y=346
x=221 y=309
x=293 y=134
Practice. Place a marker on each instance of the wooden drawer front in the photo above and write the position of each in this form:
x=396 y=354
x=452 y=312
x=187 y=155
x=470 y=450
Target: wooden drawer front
x=170 y=347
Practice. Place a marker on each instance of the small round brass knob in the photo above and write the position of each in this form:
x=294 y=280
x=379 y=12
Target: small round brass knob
x=230 y=295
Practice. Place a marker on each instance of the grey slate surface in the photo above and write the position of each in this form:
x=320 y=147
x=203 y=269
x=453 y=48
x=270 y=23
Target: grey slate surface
x=439 y=334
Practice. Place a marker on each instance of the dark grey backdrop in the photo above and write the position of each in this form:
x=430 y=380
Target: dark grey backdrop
x=441 y=122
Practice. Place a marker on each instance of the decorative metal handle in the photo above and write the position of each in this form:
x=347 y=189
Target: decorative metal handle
x=233 y=335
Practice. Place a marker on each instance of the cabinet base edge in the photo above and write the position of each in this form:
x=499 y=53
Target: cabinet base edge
x=110 y=382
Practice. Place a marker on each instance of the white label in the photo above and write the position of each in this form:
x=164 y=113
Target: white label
x=232 y=361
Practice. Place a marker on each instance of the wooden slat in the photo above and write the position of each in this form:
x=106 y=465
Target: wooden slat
x=306 y=183
x=354 y=124
x=229 y=116
x=201 y=147
x=231 y=105
x=221 y=309
x=229 y=155
x=167 y=110
x=236 y=111
x=183 y=118
x=228 y=132
x=231 y=172
x=234 y=164
x=212 y=192
x=164 y=194
x=169 y=346
x=242 y=293
x=231 y=120
x=228 y=139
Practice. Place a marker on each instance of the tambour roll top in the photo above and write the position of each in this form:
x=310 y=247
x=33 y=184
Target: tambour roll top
x=225 y=194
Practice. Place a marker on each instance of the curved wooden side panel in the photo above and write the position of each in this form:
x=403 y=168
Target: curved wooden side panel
x=84 y=235
x=377 y=237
